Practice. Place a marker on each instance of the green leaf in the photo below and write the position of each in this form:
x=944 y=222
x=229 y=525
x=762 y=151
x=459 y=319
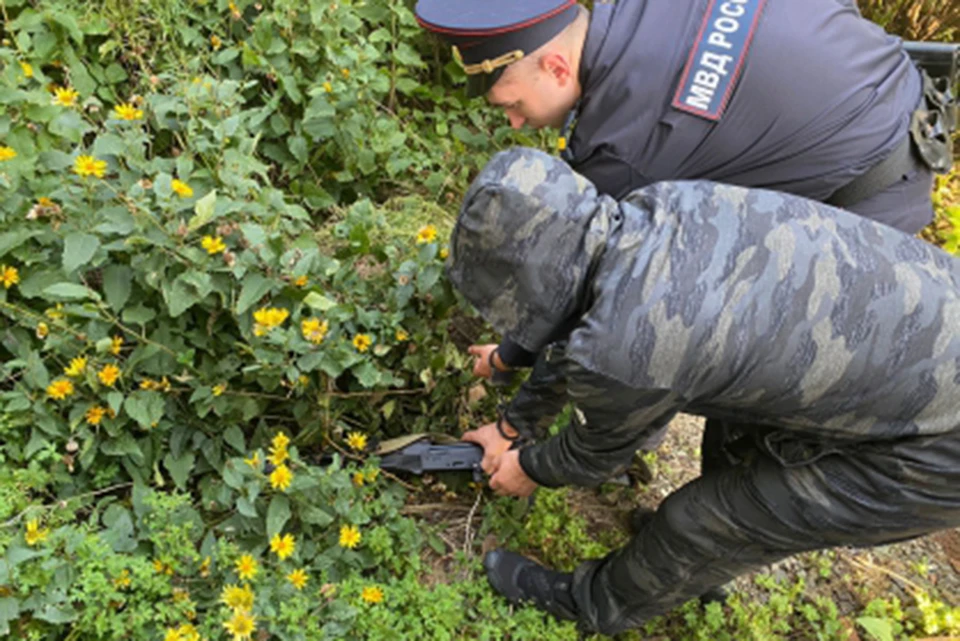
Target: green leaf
x=109 y=145
x=70 y=291
x=146 y=408
x=367 y=374
x=319 y=301
x=114 y=73
x=179 y=468
x=115 y=400
x=231 y=473
x=879 y=629
x=234 y=438
x=246 y=507
x=13 y=239
x=203 y=211
x=117 y=283
x=9 y=610
x=123 y=445
x=316 y=516
x=254 y=288
x=254 y=234
x=277 y=514
x=56 y=614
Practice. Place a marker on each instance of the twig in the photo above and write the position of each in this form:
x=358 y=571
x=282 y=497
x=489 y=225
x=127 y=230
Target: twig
x=468 y=534
x=867 y=565
x=63 y=502
x=425 y=508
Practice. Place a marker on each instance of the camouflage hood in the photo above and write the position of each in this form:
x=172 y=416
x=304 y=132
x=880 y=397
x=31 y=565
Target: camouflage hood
x=527 y=239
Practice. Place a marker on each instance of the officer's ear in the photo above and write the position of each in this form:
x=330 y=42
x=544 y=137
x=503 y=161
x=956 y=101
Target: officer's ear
x=558 y=67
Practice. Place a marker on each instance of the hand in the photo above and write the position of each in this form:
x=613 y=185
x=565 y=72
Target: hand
x=481 y=366
x=492 y=443
x=509 y=479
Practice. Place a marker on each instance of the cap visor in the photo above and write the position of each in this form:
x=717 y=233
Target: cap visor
x=479 y=84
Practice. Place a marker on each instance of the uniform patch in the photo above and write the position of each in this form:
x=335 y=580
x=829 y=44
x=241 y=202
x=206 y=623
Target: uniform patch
x=717 y=57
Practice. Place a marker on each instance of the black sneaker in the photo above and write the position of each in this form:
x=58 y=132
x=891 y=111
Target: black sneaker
x=521 y=581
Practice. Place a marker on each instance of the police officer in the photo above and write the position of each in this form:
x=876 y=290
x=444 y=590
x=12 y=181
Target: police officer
x=832 y=340
x=802 y=97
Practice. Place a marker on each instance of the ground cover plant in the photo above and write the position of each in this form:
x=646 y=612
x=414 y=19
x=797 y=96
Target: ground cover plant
x=221 y=247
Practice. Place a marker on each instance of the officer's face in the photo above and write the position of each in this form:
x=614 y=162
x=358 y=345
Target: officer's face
x=536 y=92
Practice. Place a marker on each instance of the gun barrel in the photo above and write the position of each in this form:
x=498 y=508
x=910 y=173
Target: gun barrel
x=940 y=59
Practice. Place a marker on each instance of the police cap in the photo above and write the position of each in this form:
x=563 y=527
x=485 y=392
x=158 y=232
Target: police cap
x=488 y=35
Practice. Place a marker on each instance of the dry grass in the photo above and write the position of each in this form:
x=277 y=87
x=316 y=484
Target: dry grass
x=916 y=19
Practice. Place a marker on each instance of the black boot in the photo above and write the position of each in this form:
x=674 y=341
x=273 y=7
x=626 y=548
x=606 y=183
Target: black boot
x=638 y=519
x=521 y=580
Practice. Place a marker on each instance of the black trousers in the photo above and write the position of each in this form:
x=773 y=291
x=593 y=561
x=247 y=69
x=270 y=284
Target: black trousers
x=768 y=499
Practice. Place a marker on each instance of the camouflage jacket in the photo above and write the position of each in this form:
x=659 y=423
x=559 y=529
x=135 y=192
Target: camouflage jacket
x=817 y=326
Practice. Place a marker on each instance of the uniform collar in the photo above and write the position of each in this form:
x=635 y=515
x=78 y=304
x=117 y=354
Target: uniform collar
x=600 y=20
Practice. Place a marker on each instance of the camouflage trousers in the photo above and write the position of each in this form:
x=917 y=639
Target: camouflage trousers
x=772 y=498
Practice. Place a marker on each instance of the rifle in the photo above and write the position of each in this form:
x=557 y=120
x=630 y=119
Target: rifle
x=417 y=454
x=939 y=59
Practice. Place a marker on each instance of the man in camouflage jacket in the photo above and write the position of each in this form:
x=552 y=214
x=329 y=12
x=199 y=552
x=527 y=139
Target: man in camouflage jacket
x=830 y=342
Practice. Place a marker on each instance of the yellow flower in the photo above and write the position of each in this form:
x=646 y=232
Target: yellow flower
x=349 y=536
x=362 y=342
x=43 y=330
x=358 y=479
x=444 y=253
x=327 y=87
x=189 y=633
x=283 y=546
x=561 y=143
x=7 y=153
x=241 y=625
x=64 y=96
x=402 y=335
x=345 y=72
x=314 y=330
x=183 y=190
x=298 y=578
x=54 y=313
x=237 y=598
x=27 y=69
x=173 y=634
x=215 y=42
x=9 y=276
x=219 y=389
x=281 y=477
x=35 y=534
x=357 y=441
x=253 y=461
x=213 y=244
x=115 y=344
x=76 y=367
x=60 y=389
x=426 y=235
x=109 y=375
x=372 y=594
x=89 y=166
x=247 y=567
x=278 y=455
x=205 y=567
x=124 y=580
x=301 y=281
x=268 y=318
x=280 y=441
x=126 y=111
x=95 y=414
